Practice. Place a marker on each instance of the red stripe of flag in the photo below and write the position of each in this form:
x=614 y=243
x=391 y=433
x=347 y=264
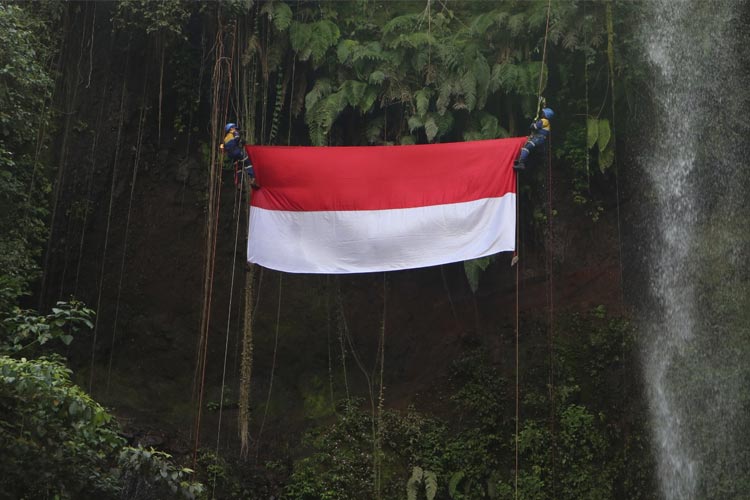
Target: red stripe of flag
x=295 y=178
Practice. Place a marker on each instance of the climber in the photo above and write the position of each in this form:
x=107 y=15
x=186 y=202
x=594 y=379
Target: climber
x=540 y=130
x=234 y=147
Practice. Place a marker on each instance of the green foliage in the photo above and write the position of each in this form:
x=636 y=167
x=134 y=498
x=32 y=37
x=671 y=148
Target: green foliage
x=599 y=134
x=150 y=474
x=469 y=450
x=23 y=328
x=421 y=484
x=279 y=13
x=311 y=41
x=61 y=443
x=474 y=268
x=166 y=16
x=57 y=440
x=25 y=47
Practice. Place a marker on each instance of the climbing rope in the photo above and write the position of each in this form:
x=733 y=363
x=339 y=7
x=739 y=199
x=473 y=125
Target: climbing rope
x=273 y=370
x=514 y=261
x=226 y=341
x=109 y=220
x=381 y=397
x=518 y=405
x=551 y=311
x=212 y=222
x=136 y=162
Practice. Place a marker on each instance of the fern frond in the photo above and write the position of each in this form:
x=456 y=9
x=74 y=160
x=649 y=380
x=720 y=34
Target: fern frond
x=374 y=131
x=371 y=51
x=430 y=128
x=469 y=89
x=278 y=106
x=481 y=70
x=444 y=122
x=414 y=123
x=517 y=24
x=346 y=50
x=279 y=13
x=312 y=40
x=401 y=24
x=321 y=89
x=376 y=77
x=422 y=99
x=445 y=90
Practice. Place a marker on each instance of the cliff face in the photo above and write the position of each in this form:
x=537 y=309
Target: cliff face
x=137 y=256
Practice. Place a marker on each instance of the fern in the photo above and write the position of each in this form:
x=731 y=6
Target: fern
x=279 y=13
x=278 y=106
x=321 y=89
x=311 y=41
x=444 y=122
x=482 y=74
x=422 y=99
x=346 y=50
x=517 y=24
x=374 y=131
x=445 y=91
x=414 y=123
x=430 y=128
x=401 y=24
x=376 y=77
x=473 y=269
x=371 y=51
x=469 y=89
x=421 y=481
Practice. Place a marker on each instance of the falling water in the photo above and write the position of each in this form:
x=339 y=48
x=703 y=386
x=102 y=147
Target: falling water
x=697 y=339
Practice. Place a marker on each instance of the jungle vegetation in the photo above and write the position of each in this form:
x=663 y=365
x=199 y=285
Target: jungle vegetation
x=91 y=90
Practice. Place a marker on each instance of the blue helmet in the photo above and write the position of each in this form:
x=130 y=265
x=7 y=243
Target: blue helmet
x=229 y=126
x=548 y=113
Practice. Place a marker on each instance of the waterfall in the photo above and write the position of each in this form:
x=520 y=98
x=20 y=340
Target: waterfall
x=696 y=338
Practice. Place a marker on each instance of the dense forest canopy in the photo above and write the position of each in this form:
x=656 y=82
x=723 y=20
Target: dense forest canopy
x=118 y=217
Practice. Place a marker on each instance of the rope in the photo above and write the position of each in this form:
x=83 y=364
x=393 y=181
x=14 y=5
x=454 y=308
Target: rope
x=551 y=310
x=226 y=341
x=341 y=330
x=544 y=56
x=71 y=86
x=138 y=149
x=517 y=342
x=212 y=226
x=90 y=185
x=328 y=340
x=611 y=57
x=109 y=220
x=273 y=369
x=381 y=396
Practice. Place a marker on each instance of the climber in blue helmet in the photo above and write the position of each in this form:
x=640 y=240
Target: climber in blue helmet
x=540 y=130
x=234 y=147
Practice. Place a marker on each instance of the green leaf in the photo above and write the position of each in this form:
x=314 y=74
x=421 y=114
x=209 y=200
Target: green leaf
x=454 y=482
x=430 y=128
x=604 y=134
x=414 y=123
x=376 y=77
x=282 y=16
x=430 y=485
x=422 y=99
x=66 y=339
x=473 y=269
x=592 y=132
x=412 y=486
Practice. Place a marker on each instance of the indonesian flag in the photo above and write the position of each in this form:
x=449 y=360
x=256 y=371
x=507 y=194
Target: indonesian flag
x=381 y=208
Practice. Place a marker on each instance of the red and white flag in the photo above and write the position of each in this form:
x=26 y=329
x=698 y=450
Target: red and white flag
x=381 y=208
